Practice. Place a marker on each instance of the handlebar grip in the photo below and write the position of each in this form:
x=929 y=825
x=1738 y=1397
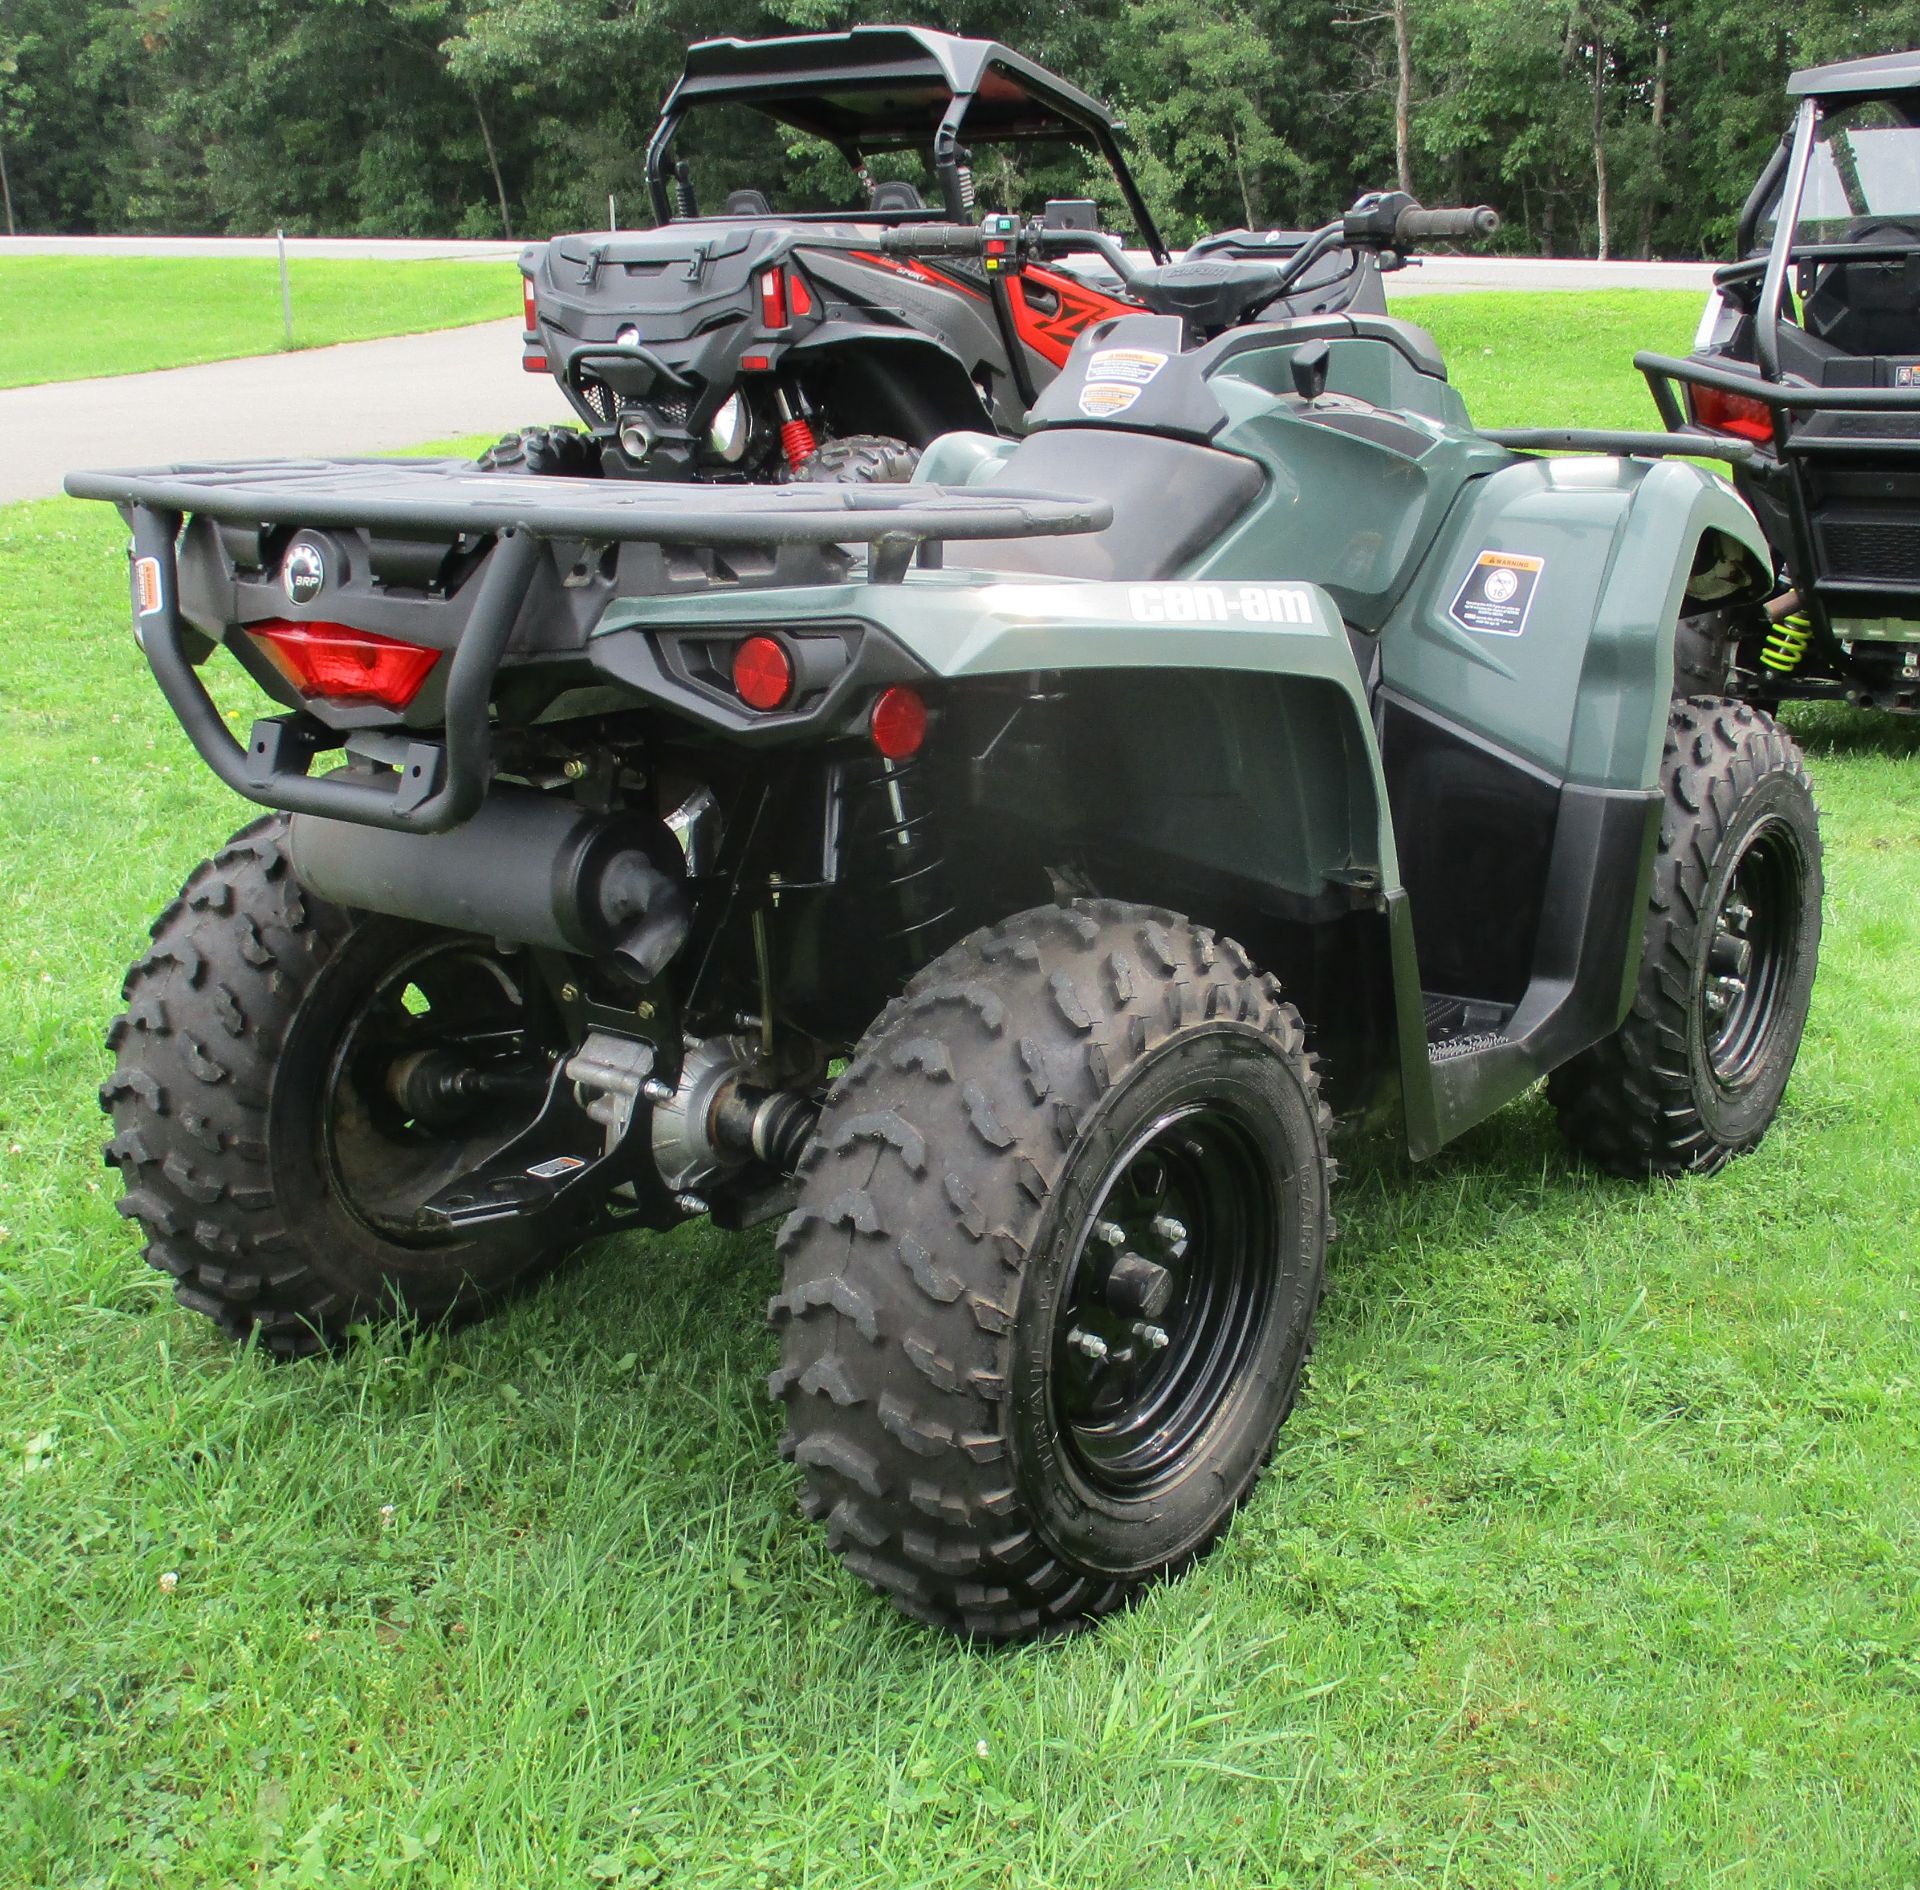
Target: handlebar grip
x=1429 y=226
x=934 y=239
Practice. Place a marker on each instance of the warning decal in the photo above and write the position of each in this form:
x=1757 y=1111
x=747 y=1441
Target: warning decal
x=1498 y=593
x=1099 y=400
x=146 y=585
x=1125 y=364
x=555 y=1166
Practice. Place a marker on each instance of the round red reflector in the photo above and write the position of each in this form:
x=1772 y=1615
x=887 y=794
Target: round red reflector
x=762 y=673
x=899 y=723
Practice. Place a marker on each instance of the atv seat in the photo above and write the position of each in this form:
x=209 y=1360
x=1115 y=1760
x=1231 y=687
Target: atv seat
x=895 y=193
x=746 y=203
x=1171 y=499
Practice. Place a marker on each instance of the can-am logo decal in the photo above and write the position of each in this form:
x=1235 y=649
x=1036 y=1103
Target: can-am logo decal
x=1220 y=603
x=1498 y=593
x=304 y=573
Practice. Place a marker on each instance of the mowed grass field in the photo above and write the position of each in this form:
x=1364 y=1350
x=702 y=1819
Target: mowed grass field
x=65 y=318
x=1590 y=1558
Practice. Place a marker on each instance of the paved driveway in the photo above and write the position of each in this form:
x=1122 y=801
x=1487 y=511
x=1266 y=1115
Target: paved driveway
x=362 y=397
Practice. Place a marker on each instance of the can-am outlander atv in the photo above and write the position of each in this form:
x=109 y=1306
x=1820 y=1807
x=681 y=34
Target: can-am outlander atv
x=1808 y=359
x=762 y=331
x=1010 y=901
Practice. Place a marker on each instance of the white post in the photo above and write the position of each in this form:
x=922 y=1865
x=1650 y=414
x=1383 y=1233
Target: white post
x=286 y=289
x=613 y=222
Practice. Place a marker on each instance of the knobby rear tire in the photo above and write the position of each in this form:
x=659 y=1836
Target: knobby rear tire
x=944 y=1202
x=216 y=1104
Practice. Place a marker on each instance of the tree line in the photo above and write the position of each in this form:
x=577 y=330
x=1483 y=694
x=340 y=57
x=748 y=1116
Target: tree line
x=1597 y=127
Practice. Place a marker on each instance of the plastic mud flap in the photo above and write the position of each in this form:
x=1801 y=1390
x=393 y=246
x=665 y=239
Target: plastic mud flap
x=441 y=784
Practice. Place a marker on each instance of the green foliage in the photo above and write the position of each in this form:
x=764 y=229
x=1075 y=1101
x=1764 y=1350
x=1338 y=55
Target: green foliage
x=473 y=117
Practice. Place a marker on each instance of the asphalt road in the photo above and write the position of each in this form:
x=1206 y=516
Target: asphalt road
x=361 y=397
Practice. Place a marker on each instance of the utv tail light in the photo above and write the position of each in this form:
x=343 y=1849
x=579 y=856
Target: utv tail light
x=799 y=296
x=532 y=360
x=1721 y=412
x=899 y=723
x=773 y=299
x=346 y=665
x=762 y=673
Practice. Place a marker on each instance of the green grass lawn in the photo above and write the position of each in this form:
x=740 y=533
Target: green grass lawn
x=1553 y=360
x=1589 y=1559
x=65 y=318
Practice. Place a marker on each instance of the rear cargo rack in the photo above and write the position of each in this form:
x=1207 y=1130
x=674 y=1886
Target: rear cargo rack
x=437 y=786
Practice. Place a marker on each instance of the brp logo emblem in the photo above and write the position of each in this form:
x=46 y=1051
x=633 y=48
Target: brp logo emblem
x=304 y=574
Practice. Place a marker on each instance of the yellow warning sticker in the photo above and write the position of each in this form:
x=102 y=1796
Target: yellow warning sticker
x=1498 y=593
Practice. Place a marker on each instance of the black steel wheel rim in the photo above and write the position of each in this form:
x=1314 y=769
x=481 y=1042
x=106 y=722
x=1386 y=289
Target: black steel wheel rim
x=483 y=1021
x=1131 y=1387
x=1751 y=952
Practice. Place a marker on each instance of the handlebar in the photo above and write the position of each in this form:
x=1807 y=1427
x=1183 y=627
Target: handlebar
x=1380 y=221
x=1445 y=226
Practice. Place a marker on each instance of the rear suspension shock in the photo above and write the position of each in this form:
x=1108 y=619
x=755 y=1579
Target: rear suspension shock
x=1786 y=643
x=892 y=836
x=797 y=439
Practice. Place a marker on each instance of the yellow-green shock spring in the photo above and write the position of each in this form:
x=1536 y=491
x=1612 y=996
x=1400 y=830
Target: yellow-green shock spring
x=1787 y=643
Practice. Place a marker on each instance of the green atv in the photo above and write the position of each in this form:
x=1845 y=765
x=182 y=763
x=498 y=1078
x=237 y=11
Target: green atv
x=1007 y=878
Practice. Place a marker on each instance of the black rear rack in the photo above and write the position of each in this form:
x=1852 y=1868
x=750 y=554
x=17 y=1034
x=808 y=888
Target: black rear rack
x=437 y=785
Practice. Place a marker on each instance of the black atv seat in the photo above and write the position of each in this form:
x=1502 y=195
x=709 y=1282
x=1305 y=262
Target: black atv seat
x=1171 y=499
x=746 y=203
x=895 y=193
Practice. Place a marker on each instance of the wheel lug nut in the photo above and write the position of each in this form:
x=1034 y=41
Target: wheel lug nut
x=1110 y=1232
x=1171 y=1231
x=1089 y=1345
x=1154 y=1338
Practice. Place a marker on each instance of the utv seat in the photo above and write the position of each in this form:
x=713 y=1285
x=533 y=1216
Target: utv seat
x=1171 y=499
x=895 y=194
x=746 y=203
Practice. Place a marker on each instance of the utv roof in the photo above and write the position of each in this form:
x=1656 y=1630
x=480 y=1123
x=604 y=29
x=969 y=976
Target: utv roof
x=887 y=85
x=1854 y=78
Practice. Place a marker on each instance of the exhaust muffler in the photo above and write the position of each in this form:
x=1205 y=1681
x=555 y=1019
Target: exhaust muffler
x=527 y=868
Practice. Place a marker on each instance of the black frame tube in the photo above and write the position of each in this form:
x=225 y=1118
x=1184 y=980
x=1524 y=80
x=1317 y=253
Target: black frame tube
x=469 y=744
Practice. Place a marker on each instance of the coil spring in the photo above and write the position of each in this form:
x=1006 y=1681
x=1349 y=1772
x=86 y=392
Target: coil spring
x=797 y=442
x=1786 y=643
x=893 y=831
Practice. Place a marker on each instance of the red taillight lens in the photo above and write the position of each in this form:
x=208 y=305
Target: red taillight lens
x=533 y=361
x=1721 y=412
x=762 y=673
x=344 y=664
x=773 y=298
x=799 y=296
x=899 y=723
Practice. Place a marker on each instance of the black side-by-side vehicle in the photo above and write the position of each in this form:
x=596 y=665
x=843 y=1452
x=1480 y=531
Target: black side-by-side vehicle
x=1808 y=358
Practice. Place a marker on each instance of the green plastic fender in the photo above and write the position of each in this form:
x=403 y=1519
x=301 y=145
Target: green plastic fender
x=1581 y=688
x=1300 y=725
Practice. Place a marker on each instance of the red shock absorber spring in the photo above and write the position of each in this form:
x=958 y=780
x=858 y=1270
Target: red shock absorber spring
x=797 y=442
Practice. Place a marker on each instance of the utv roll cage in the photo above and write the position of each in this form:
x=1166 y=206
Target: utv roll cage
x=894 y=88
